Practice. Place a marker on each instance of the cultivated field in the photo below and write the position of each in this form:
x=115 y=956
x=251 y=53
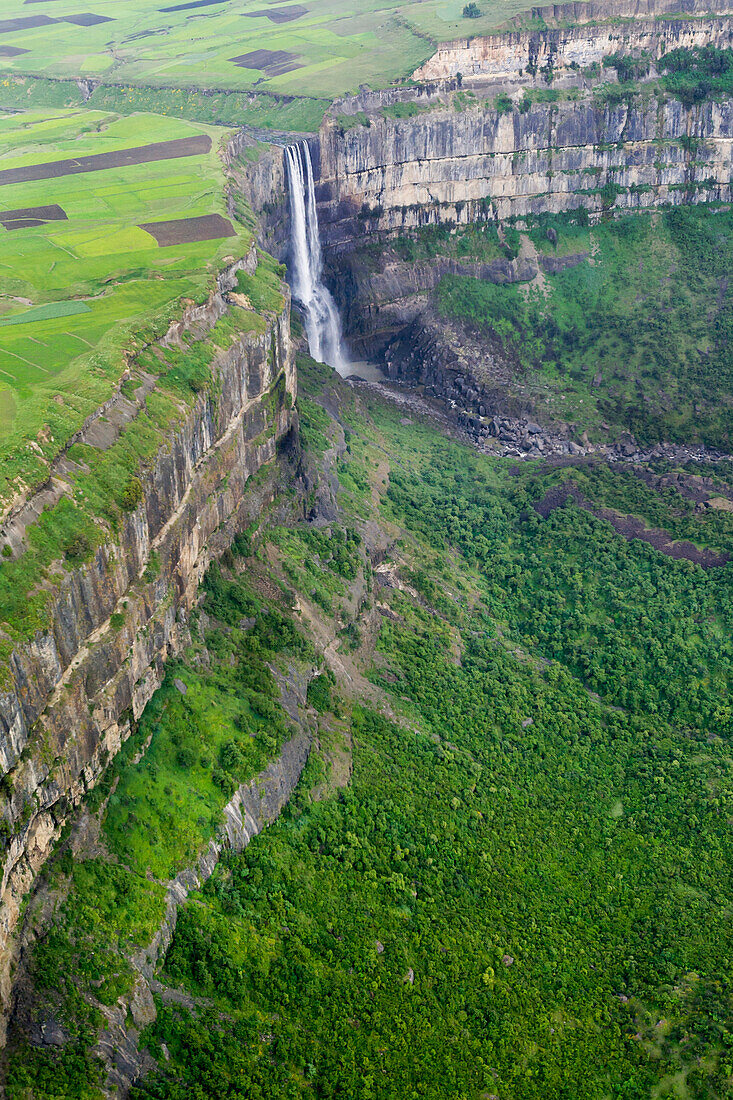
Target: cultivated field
x=321 y=48
x=80 y=278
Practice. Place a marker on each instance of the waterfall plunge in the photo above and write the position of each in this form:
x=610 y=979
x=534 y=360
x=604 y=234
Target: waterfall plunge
x=322 y=321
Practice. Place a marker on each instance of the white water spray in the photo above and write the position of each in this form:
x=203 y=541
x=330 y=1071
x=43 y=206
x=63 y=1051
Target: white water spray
x=322 y=321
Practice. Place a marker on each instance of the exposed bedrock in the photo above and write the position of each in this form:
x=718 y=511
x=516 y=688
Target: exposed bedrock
x=451 y=166
x=258 y=171
x=379 y=293
x=515 y=56
x=475 y=376
x=79 y=684
x=586 y=11
x=461 y=167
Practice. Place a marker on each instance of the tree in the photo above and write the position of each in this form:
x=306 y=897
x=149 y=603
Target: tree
x=471 y=11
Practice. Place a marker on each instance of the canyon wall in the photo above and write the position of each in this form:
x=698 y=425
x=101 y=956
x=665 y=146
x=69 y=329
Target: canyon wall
x=464 y=166
x=586 y=11
x=258 y=171
x=517 y=56
x=78 y=685
x=380 y=297
x=392 y=160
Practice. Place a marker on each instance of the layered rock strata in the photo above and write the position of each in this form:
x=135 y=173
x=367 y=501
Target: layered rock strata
x=447 y=166
x=78 y=685
x=516 y=56
x=587 y=11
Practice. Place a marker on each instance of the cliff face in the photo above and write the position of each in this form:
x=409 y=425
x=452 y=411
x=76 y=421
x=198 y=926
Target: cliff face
x=379 y=298
x=259 y=171
x=511 y=58
x=447 y=166
x=585 y=11
x=77 y=686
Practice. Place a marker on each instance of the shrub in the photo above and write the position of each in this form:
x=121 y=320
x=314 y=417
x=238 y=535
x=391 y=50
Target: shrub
x=77 y=548
x=471 y=11
x=319 y=694
x=512 y=242
x=230 y=756
x=627 y=67
x=226 y=782
x=185 y=757
x=132 y=495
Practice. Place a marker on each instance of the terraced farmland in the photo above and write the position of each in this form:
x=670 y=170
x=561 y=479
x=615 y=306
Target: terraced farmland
x=320 y=48
x=80 y=279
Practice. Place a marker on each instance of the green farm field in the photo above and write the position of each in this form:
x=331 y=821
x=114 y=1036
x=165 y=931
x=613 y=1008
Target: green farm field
x=75 y=291
x=331 y=48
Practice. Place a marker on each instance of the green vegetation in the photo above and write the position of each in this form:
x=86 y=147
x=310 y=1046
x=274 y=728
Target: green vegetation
x=102 y=914
x=524 y=887
x=638 y=334
x=506 y=869
x=100 y=286
x=697 y=73
x=264 y=289
x=205 y=741
x=690 y=75
x=539 y=95
x=215 y=723
x=330 y=48
x=544 y=911
x=317 y=562
x=106 y=482
x=215 y=108
x=628 y=67
x=352 y=122
x=404 y=110
x=479 y=241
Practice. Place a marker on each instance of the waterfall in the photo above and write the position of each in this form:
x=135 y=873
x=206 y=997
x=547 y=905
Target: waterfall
x=322 y=321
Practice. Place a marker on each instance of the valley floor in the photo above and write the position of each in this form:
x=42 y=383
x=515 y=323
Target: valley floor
x=504 y=871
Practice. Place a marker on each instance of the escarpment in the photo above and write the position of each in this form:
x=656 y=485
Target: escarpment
x=441 y=153
x=518 y=56
x=71 y=692
x=447 y=166
x=586 y=11
x=563 y=133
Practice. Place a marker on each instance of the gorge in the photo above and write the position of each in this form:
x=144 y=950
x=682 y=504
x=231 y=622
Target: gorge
x=481 y=698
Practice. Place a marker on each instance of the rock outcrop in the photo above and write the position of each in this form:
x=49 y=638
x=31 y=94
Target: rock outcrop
x=78 y=685
x=448 y=166
x=253 y=807
x=427 y=153
x=518 y=56
x=380 y=296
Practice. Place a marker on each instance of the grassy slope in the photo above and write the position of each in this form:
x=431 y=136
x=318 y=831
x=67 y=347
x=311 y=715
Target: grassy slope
x=557 y=888
x=339 y=45
x=98 y=260
x=637 y=336
x=155 y=817
x=537 y=835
